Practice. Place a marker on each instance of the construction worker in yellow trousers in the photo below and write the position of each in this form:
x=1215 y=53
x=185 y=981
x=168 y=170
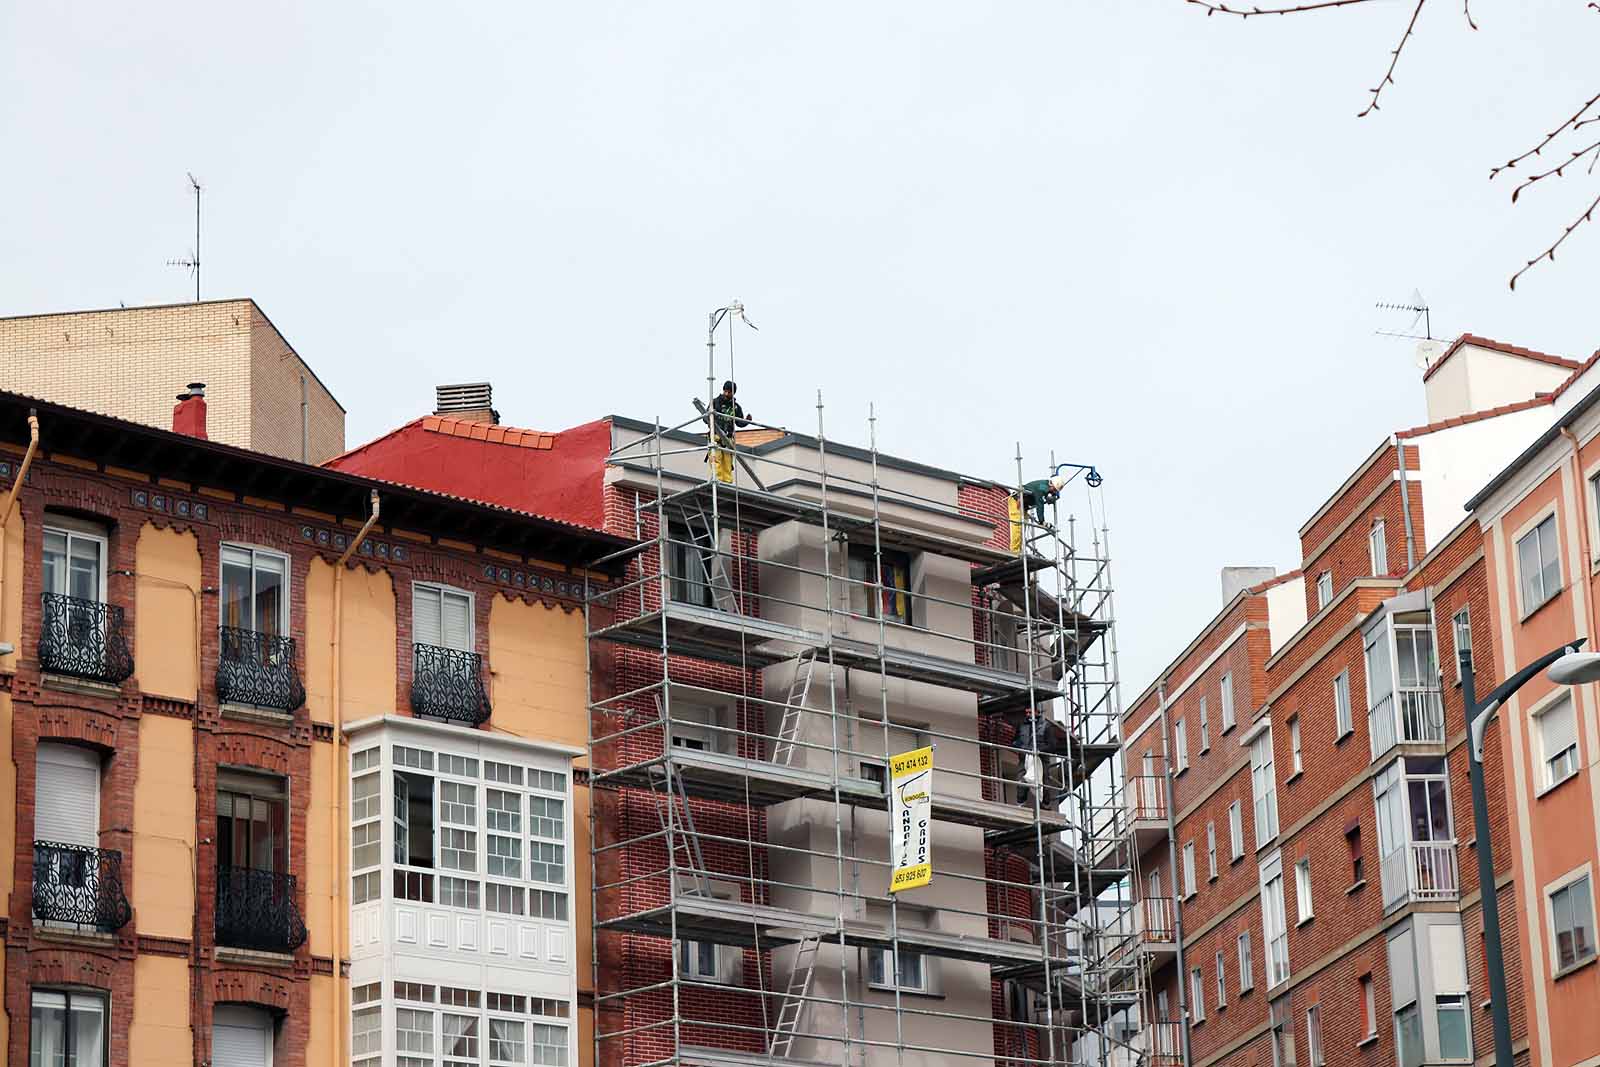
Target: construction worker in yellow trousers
x=726 y=416
x=1035 y=495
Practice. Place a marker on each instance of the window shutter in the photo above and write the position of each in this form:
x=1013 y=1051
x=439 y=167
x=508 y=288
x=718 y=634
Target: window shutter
x=427 y=627
x=241 y=1037
x=1558 y=729
x=457 y=621
x=67 y=800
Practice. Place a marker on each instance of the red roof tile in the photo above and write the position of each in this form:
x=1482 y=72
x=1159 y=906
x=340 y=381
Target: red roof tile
x=473 y=430
x=1498 y=346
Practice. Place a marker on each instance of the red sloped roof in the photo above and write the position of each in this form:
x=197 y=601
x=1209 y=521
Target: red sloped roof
x=556 y=475
x=1498 y=346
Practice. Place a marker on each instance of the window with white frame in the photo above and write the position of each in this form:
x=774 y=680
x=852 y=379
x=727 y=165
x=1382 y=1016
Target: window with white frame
x=547 y=1044
x=1369 y=1008
x=459 y=1038
x=1211 y=851
x=1461 y=623
x=1188 y=869
x=1180 y=742
x=1282 y=1024
x=441 y=617
x=1274 y=921
x=67 y=1027
x=1236 y=830
x=1222 y=981
x=1558 y=741
x=1314 y=1036
x=1295 y=765
x=1538 y=565
x=1572 y=921
x=907 y=973
x=1455 y=1034
x=1342 y=719
x=1227 y=702
x=1197 y=995
x=1205 y=726
x=697 y=959
x=366 y=1037
x=1302 y=887
x=74 y=558
x=1324 y=589
x=1409 y=1050
x=1264 y=787
x=255 y=590
x=1247 y=974
x=1378 y=548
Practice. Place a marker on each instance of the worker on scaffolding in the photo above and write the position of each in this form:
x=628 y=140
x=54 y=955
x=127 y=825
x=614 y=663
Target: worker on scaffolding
x=1035 y=494
x=726 y=417
x=1040 y=742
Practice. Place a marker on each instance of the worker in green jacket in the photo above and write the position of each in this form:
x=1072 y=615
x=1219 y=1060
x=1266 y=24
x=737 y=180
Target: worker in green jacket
x=1035 y=494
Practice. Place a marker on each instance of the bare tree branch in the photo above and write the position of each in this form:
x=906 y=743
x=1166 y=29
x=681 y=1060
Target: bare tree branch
x=1252 y=12
x=1557 y=171
x=1388 y=76
x=1550 y=253
x=1571 y=123
x=1466 y=9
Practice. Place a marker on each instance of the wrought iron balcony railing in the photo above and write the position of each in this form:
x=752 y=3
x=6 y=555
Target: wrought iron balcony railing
x=257 y=910
x=448 y=684
x=83 y=639
x=80 y=885
x=259 y=669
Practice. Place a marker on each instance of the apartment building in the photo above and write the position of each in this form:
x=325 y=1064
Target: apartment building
x=1314 y=897
x=1538 y=518
x=295 y=755
x=774 y=643
x=131 y=362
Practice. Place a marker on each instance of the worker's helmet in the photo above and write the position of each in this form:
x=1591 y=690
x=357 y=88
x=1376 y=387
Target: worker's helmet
x=729 y=387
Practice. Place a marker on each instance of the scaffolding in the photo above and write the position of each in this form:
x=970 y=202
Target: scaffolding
x=774 y=641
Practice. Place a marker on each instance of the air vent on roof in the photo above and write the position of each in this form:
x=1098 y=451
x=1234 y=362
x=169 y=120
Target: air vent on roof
x=471 y=400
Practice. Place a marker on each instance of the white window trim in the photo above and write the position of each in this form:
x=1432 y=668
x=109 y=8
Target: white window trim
x=1551 y=888
x=288 y=579
x=1211 y=851
x=1197 y=994
x=71 y=528
x=1532 y=525
x=1247 y=961
x=1536 y=715
x=1180 y=745
x=1205 y=726
x=1304 y=906
x=1455 y=637
x=1226 y=697
x=1188 y=870
x=891 y=971
x=1343 y=718
x=472 y=611
x=1377 y=533
x=1236 y=831
x=1324 y=589
x=1222 y=979
x=1296 y=764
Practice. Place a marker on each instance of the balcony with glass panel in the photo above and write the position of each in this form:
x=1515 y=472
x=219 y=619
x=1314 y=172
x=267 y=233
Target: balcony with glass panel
x=1416 y=841
x=1403 y=698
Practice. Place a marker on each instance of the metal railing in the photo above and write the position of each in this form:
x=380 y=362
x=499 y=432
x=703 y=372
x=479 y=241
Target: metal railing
x=83 y=639
x=448 y=684
x=1157 y=924
x=1413 y=714
x=257 y=910
x=1422 y=870
x=1147 y=798
x=78 y=884
x=259 y=669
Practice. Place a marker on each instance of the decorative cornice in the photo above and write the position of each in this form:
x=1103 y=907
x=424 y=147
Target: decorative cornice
x=173 y=707
x=164 y=946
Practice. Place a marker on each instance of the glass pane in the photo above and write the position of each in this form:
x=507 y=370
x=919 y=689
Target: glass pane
x=1408 y=658
x=55 y=562
x=83 y=564
x=88 y=1032
x=235 y=595
x=1453 y=1040
x=1528 y=568
x=270 y=591
x=47 y=1046
x=1549 y=557
x=1438 y=811
x=1582 y=920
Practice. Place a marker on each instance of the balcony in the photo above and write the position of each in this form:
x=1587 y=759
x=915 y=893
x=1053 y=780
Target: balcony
x=258 y=669
x=1146 y=799
x=257 y=910
x=79 y=885
x=1421 y=870
x=83 y=639
x=448 y=684
x=1409 y=715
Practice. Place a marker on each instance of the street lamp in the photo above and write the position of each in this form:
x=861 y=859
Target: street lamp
x=1567 y=666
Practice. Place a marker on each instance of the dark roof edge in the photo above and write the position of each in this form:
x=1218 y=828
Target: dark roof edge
x=1588 y=400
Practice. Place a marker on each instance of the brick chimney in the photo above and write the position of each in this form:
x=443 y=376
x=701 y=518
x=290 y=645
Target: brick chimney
x=470 y=402
x=189 y=416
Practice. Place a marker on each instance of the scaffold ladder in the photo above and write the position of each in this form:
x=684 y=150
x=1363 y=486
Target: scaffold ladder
x=805 y=666
x=683 y=842
x=794 y=998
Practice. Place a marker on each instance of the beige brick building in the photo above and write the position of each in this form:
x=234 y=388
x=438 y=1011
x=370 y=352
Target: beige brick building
x=132 y=362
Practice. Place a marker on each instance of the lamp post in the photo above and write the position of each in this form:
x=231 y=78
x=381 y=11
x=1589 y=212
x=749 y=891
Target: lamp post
x=1567 y=666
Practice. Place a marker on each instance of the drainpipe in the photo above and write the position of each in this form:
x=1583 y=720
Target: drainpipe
x=1405 y=499
x=1172 y=862
x=305 y=422
x=11 y=504
x=341 y=1009
x=1583 y=528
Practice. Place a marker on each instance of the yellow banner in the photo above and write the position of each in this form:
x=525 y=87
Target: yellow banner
x=910 y=819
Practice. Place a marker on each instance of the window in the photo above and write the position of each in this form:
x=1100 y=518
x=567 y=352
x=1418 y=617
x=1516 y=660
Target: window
x=895 y=577
x=74 y=559
x=697 y=959
x=460 y=1040
x=1342 y=722
x=1324 y=589
x=1247 y=976
x=252 y=824
x=66 y=795
x=366 y=1037
x=1211 y=850
x=908 y=974
x=1572 y=922
x=1274 y=921
x=67 y=1028
x=413 y=1034
x=1188 y=869
x=1236 y=830
x=1314 y=1036
x=1180 y=740
x=1282 y=1034
x=1197 y=996
x=1302 y=887
x=1461 y=623
x=1369 y=1006
x=508 y=1041
x=1538 y=565
x=1222 y=982
x=548 y=1045
x=1227 y=702
x=1205 y=727
x=1294 y=745
x=1358 y=867
x=1455 y=1039
x=874 y=771
x=1264 y=788
x=255 y=590
x=691 y=565
x=1378 y=549
x=1408 y=1036
x=503 y=819
x=441 y=617
x=1558 y=742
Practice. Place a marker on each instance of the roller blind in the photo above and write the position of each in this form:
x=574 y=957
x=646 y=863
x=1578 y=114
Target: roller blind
x=241 y=1037
x=67 y=799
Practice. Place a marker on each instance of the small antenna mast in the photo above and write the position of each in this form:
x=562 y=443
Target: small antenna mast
x=1419 y=314
x=192 y=262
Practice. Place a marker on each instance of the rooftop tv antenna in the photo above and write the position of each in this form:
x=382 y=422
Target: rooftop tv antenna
x=1418 y=307
x=192 y=262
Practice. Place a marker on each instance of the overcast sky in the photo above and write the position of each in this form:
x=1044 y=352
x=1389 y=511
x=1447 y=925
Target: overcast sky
x=1122 y=232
